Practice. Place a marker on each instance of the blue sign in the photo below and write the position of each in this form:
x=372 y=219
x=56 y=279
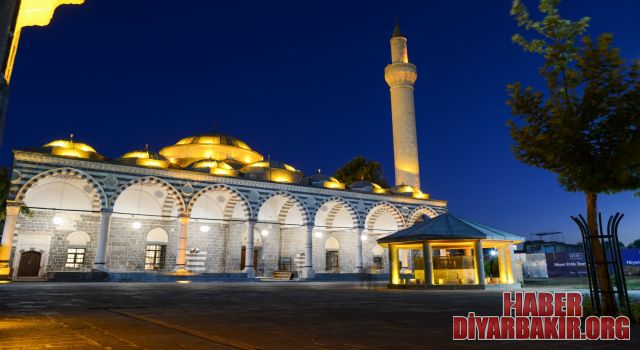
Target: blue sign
x=566 y=264
x=630 y=257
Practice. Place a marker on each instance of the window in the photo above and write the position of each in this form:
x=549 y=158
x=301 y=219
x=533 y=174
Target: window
x=377 y=262
x=75 y=257
x=154 y=258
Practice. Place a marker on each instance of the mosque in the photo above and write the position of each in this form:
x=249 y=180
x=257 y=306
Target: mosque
x=211 y=207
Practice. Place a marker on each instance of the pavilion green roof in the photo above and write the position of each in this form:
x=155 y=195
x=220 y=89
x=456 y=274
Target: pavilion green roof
x=448 y=226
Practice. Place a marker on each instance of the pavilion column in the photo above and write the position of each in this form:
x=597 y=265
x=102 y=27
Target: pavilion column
x=181 y=256
x=512 y=263
x=428 y=263
x=103 y=233
x=307 y=270
x=248 y=252
x=502 y=264
x=359 y=267
x=479 y=263
x=394 y=265
x=13 y=209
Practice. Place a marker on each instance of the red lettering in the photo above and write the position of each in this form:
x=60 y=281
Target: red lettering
x=529 y=305
x=573 y=328
x=536 y=328
x=559 y=303
x=507 y=327
x=493 y=330
x=592 y=327
x=574 y=304
x=459 y=328
x=545 y=304
x=622 y=328
x=522 y=328
x=481 y=325
x=507 y=304
x=551 y=327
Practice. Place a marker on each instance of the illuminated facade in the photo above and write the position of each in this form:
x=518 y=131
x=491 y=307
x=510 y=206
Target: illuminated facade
x=208 y=205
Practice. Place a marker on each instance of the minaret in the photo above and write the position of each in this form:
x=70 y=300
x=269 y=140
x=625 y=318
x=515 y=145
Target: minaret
x=401 y=75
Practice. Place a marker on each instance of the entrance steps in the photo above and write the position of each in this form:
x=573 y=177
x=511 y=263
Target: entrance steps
x=282 y=275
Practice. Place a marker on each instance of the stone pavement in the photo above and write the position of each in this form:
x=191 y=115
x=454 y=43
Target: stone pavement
x=261 y=315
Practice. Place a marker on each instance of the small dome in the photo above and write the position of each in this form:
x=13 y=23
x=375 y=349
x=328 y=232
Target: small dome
x=317 y=179
x=72 y=148
x=214 y=139
x=367 y=187
x=214 y=167
x=145 y=158
x=272 y=170
x=334 y=184
x=406 y=190
x=210 y=146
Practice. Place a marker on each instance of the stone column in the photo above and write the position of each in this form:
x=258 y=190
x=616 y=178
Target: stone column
x=359 y=267
x=248 y=252
x=394 y=265
x=479 y=263
x=181 y=255
x=13 y=209
x=103 y=234
x=428 y=263
x=511 y=274
x=502 y=264
x=307 y=270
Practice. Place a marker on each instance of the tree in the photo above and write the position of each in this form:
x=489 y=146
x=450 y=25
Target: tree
x=634 y=244
x=585 y=127
x=361 y=169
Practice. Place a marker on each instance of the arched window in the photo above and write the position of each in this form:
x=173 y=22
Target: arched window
x=156 y=251
x=76 y=249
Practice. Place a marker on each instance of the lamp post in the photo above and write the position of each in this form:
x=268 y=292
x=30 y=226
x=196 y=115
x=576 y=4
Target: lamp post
x=493 y=253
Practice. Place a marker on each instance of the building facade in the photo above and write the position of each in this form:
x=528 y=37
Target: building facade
x=208 y=204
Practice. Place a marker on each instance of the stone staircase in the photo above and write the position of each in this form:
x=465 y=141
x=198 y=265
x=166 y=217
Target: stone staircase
x=282 y=275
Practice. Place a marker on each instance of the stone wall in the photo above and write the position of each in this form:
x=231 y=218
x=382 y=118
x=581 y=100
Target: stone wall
x=213 y=243
x=126 y=245
x=39 y=232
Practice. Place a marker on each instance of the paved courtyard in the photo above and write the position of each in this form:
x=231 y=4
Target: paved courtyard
x=264 y=315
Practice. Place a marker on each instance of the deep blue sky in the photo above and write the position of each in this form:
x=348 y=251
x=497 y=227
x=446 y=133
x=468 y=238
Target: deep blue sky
x=303 y=82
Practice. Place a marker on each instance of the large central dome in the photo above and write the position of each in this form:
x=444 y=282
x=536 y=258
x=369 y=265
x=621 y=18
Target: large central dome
x=210 y=146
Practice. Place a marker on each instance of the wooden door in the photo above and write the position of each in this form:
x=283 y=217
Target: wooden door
x=29 y=264
x=243 y=257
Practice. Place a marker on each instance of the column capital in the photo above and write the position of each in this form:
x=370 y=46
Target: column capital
x=13 y=208
x=184 y=218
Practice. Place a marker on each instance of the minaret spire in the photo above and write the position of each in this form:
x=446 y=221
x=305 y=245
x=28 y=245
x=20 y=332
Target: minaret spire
x=401 y=75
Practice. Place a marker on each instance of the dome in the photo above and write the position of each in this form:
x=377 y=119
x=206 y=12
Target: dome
x=217 y=147
x=406 y=190
x=72 y=148
x=272 y=170
x=366 y=186
x=145 y=158
x=214 y=167
x=317 y=179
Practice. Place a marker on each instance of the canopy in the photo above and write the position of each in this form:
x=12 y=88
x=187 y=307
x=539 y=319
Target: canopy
x=448 y=226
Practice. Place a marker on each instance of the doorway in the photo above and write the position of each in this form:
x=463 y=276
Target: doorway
x=243 y=257
x=29 y=264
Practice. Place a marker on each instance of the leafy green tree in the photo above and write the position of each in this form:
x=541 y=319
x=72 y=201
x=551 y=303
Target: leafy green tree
x=585 y=126
x=634 y=244
x=5 y=187
x=361 y=169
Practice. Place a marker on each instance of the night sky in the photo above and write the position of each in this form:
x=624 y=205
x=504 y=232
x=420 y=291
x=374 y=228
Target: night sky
x=304 y=83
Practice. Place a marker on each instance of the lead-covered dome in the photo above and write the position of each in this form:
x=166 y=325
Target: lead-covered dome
x=210 y=146
x=72 y=148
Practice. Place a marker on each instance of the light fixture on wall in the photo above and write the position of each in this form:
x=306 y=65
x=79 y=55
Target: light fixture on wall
x=264 y=233
x=318 y=234
x=363 y=237
x=57 y=220
x=205 y=228
x=136 y=225
x=493 y=252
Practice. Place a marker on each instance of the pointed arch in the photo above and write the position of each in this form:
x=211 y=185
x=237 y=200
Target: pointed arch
x=101 y=202
x=340 y=203
x=152 y=180
x=292 y=201
x=418 y=212
x=376 y=210
x=236 y=197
